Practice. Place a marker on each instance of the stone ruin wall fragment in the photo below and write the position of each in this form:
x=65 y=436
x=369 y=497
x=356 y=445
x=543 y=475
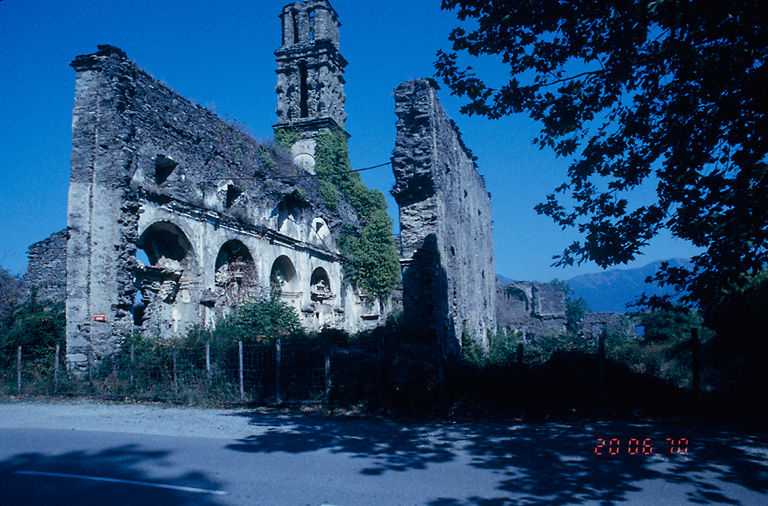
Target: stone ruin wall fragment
x=449 y=276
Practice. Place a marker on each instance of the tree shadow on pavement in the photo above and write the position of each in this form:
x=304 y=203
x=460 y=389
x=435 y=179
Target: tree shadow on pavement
x=23 y=480
x=545 y=463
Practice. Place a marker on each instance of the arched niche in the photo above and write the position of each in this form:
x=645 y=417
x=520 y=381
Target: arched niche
x=233 y=251
x=166 y=246
x=320 y=285
x=235 y=275
x=283 y=275
x=518 y=299
x=164 y=260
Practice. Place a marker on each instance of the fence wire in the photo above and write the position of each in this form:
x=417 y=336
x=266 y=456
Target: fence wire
x=261 y=373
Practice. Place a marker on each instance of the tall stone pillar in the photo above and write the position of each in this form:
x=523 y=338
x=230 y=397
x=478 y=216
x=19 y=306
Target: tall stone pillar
x=449 y=276
x=101 y=216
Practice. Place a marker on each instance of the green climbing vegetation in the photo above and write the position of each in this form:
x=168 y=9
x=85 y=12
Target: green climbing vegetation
x=371 y=257
x=287 y=136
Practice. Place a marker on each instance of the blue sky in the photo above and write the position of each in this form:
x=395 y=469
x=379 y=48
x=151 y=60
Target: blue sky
x=220 y=54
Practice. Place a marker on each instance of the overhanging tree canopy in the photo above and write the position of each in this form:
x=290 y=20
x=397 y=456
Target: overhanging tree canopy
x=671 y=92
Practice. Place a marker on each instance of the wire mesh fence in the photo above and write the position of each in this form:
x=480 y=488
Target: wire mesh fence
x=204 y=374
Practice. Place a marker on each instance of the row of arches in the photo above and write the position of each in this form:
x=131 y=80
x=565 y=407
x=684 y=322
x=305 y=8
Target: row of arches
x=169 y=268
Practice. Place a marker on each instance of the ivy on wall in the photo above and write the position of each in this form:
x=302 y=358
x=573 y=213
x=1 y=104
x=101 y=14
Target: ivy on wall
x=287 y=136
x=371 y=257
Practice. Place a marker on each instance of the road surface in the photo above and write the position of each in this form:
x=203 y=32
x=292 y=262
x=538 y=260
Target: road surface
x=90 y=453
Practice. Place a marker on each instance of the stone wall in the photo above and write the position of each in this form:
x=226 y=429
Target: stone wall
x=537 y=308
x=449 y=278
x=47 y=269
x=218 y=217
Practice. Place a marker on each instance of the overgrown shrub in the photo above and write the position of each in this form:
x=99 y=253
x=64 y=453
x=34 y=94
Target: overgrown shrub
x=256 y=322
x=36 y=326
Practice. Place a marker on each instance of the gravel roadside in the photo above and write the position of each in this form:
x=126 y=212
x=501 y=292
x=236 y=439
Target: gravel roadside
x=128 y=418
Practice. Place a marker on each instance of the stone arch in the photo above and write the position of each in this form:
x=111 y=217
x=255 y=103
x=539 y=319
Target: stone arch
x=283 y=275
x=320 y=285
x=233 y=251
x=519 y=299
x=166 y=244
x=235 y=276
x=172 y=262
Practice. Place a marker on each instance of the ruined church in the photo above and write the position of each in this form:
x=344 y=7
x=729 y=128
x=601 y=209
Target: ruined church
x=175 y=216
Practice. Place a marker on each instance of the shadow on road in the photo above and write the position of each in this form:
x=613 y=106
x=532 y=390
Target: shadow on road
x=119 y=463
x=551 y=463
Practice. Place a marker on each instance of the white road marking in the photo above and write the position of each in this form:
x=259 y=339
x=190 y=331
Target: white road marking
x=126 y=482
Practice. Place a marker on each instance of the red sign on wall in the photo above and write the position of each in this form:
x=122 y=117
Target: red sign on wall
x=98 y=317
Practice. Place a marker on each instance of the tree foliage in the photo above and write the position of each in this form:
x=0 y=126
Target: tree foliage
x=36 y=326
x=256 y=321
x=10 y=291
x=668 y=93
x=371 y=260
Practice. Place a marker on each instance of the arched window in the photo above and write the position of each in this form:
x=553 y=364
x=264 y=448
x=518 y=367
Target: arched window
x=166 y=246
x=232 y=252
x=518 y=299
x=303 y=91
x=283 y=277
x=320 y=285
x=235 y=277
x=164 y=256
x=295 y=22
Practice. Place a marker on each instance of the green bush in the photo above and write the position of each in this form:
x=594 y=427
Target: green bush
x=257 y=322
x=36 y=326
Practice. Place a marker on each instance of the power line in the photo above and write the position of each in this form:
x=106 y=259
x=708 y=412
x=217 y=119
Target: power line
x=304 y=175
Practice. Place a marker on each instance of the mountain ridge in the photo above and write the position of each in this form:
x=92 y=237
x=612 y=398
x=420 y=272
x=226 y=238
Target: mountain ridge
x=613 y=289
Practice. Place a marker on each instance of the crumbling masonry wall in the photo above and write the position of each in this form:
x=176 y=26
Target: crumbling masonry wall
x=449 y=277
x=219 y=217
x=538 y=309
x=47 y=269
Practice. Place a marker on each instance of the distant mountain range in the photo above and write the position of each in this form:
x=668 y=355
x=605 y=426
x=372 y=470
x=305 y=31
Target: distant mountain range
x=611 y=290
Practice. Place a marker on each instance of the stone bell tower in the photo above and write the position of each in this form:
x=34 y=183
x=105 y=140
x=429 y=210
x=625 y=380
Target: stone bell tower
x=310 y=76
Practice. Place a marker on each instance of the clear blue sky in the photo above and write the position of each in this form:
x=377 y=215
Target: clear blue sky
x=220 y=54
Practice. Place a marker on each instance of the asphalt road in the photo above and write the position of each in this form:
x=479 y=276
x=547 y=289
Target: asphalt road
x=88 y=453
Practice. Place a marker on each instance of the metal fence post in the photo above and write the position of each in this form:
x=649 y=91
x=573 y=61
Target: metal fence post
x=240 y=361
x=327 y=372
x=601 y=367
x=18 y=370
x=208 y=360
x=278 y=354
x=132 y=365
x=90 y=363
x=175 y=376
x=379 y=369
x=56 y=370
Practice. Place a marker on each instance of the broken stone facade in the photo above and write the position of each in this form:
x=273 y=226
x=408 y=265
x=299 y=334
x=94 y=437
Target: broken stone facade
x=536 y=308
x=539 y=310
x=47 y=268
x=216 y=217
x=449 y=277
